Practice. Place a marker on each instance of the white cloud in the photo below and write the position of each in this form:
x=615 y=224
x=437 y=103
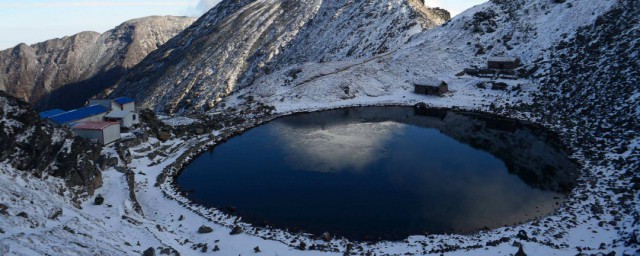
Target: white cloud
x=203 y=6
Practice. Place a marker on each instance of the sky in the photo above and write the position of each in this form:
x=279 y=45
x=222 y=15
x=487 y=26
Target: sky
x=32 y=21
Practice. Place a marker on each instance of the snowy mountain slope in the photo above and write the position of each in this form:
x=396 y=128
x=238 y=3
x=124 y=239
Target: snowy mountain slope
x=234 y=43
x=44 y=74
x=31 y=145
x=534 y=28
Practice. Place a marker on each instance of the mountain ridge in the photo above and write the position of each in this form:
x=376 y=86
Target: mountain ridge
x=236 y=42
x=45 y=73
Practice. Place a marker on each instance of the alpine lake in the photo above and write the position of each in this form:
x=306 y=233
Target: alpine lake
x=384 y=173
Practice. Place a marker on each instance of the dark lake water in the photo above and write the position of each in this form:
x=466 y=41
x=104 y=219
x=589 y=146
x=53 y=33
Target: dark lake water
x=384 y=173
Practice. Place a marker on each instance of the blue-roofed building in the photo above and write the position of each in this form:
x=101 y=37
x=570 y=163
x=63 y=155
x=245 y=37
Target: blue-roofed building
x=123 y=100
x=104 y=102
x=50 y=113
x=91 y=113
x=125 y=104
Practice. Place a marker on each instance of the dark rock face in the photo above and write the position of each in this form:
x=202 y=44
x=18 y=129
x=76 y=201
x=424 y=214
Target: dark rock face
x=597 y=83
x=132 y=194
x=226 y=50
x=48 y=73
x=156 y=128
x=32 y=145
x=520 y=252
x=23 y=215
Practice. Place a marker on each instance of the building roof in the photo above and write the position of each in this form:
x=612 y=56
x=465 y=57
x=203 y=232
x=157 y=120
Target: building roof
x=118 y=114
x=50 y=113
x=428 y=82
x=93 y=125
x=78 y=114
x=123 y=100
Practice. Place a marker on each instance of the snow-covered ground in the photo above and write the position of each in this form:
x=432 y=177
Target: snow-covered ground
x=115 y=228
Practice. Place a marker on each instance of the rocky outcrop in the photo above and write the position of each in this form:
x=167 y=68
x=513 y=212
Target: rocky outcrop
x=238 y=41
x=592 y=84
x=82 y=65
x=30 y=144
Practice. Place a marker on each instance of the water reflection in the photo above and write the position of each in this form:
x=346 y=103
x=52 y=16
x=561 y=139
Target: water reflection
x=369 y=173
x=351 y=139
x=334 y=148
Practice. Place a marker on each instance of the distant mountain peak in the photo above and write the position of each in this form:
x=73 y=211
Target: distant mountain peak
x=39 y=73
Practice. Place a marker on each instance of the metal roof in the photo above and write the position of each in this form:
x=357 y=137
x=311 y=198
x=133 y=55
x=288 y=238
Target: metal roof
x=118 y=114
x=428 y=82
x=93 y=125
x=50 y=113
x=123 y=100
x=78 y=114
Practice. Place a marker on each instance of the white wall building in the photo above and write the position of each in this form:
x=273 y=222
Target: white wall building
x=124 y=103
x=100 y=132
x=127 y=119
x=100 y=121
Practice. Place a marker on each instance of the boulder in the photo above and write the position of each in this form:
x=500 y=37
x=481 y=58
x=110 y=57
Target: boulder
x=149 y=252
x=112 y=161
x=499 y=86
x=3 y=209
x=98 y=200
x=326 y=237
x=204 y=229
x=302 y=246
x=236 y=230
x=522 y=235
x=56 y=214
x=164 y=136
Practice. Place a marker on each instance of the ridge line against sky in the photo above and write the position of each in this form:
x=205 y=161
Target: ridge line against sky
x=33 y=21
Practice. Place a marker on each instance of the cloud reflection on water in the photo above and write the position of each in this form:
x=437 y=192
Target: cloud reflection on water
x=335 y=148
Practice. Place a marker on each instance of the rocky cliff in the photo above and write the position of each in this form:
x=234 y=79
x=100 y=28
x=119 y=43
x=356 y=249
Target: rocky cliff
x=238 y=41
x=45 y=74
x=31 y=145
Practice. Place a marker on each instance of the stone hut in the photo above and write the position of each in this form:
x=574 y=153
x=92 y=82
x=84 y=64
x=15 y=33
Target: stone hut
x=431 y=87
x=503 y=63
